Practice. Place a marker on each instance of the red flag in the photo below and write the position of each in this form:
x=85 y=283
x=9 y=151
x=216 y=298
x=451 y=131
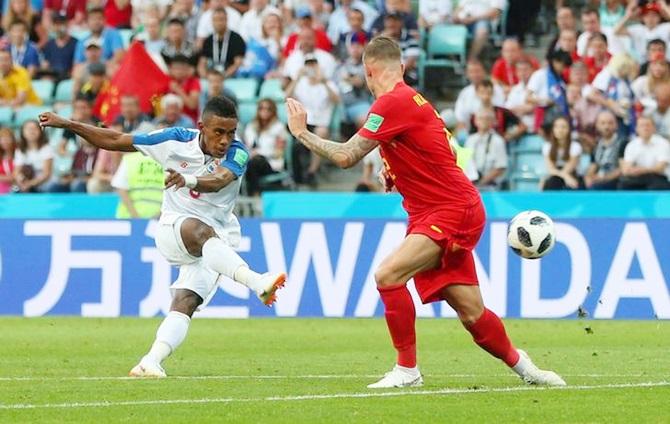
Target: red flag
x=138 y=75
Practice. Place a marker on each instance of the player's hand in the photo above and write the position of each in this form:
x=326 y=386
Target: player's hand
x=297 y=117
x=50 y=119
x=174 y=179
x=386 y=181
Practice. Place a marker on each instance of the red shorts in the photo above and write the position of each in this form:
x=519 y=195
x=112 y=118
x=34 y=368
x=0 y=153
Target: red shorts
x=457 y=232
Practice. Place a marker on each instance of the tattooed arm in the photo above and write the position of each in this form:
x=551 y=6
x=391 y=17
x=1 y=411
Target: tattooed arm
x=344 y=155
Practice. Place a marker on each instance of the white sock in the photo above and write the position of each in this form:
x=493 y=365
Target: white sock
x=249 y=278
x=521 y=367
x=224 y=260
x=410 y=371
x=170 y=334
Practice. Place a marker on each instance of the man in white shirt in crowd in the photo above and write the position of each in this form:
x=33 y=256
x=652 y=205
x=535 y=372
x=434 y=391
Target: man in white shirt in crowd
x=517 y=100
x=307 y=46
x=645 y=160
x=251 y=25
x=205 y=25
x=489 y=152
x=650 y=28
x=433 y=12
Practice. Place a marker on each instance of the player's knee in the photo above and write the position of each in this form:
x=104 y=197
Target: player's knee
x=194 y=234
x=186 y=302
x=386 y=275
x=469 y=314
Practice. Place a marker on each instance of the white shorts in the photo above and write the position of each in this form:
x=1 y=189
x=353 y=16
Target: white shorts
x=194 y=275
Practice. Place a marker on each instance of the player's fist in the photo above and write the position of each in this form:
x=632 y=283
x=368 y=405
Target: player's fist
x=174 y=179
x=297 y=117
x=50 y=119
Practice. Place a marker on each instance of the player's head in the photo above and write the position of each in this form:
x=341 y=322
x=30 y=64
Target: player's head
x=218 y=125
x=382 y=60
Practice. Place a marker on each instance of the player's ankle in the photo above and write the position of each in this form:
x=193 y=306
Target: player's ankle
x=409 y=370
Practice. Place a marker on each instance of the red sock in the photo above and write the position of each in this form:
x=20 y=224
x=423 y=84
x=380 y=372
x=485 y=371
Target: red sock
x=489 y=333
x=400 y=316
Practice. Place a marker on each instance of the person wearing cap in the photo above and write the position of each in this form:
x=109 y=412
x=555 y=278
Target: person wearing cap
x=339 y=22
x=112 y=44
x=82 y=71
x=172 y=115
x=350 y=78
x=24 y=52
x=16 y=88
x=409 y=46
x=206 y=25
x=224 y=47
x=304 y=20
x=650 y=26
x=95 y=82
x=58 y=52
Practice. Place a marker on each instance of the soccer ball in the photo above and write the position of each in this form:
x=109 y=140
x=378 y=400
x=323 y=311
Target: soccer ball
x=531 y=234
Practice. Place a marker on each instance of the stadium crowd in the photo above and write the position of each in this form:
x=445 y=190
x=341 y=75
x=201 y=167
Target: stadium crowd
x=591 y=112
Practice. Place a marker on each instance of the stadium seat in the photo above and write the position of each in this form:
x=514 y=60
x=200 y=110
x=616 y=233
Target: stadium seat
x=44 y=89
x=64 y=91
x=6 y=116
x=29 y=112
x=529 y=163
x=204 y=85
x=525 y=183
x=245 y=89
x=271 y=88
x=65 y=111
x=528 y=143
x=281 y=112
x=446 y=48
x=79 y=34
x=247 y=111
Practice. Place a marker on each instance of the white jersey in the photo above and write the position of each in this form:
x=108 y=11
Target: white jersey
x=179 y=149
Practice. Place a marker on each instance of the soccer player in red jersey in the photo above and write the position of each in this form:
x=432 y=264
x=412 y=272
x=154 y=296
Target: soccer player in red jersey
x=446 y=216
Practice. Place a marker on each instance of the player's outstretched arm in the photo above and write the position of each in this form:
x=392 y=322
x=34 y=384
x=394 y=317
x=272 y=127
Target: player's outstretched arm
x=344 y=155
x=103 y=138
x=211 y=183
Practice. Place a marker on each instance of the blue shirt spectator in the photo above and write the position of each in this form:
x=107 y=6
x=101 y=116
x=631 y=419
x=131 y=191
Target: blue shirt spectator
x=58 y=53
x=110 y=38
x=24 y=52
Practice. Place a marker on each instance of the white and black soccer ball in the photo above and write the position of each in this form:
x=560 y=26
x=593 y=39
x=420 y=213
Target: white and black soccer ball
x=531 y=234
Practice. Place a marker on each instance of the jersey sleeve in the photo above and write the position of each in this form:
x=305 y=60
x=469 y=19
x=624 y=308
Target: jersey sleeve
x=236 y=159
x=385 y=120
x=156 y=143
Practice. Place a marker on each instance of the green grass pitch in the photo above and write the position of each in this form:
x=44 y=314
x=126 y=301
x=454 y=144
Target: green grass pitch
x=316 y=370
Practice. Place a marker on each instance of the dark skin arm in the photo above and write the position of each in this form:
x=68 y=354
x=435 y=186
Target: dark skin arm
x=100 y=137
x=206 y=183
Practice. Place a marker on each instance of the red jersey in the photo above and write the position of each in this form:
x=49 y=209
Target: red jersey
x=506 y=72
x=416 y=152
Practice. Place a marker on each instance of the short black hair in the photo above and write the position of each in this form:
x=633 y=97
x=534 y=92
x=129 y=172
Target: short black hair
x=220 y=106
x=559 y=56
x=176 y=21
x=658 y=41
x=485 y=83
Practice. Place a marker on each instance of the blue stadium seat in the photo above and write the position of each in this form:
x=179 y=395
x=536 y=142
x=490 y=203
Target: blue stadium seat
x=446 y=47
x=524 y=183
x=271 y=88
x=247 y=112
x=65 y=111
x=6 y=116
x=64 y=91
x=529 y=163
x=528 y=143
x=245 y=89
x=281 y=112
x=29 y=112
x=44 y=89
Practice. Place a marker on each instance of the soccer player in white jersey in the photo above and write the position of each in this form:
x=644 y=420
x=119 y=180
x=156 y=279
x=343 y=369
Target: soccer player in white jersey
x=197 y=228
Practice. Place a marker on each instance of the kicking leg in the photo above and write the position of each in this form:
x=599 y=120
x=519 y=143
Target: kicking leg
x=170 y=334
x=489 y=333
x=202 y=241
x=417 y=253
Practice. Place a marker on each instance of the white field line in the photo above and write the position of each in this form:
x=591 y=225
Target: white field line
x=399 y=393
x=292 y=377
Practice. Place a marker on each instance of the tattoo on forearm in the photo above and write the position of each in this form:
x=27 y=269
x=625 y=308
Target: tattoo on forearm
x=342 y=154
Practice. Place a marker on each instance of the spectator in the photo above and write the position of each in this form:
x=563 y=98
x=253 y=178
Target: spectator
x=567 y=42
x=82 y=111
x=340 y=24
x=614 y=90
x=320 y=12
x=597 y=55
x=95 y=83
x=215 y=87
x=176 y=43
x=479 y=16
x=565 y=20
x=468 y=103
x=205 y=23
x=561 y=156
x=372 y=172
x=604 y=172
x=517 y=100
x=433 y=12
x=112 y=44
x=611 y=12
x=650 y=28
x=645 y=160
x=24 y=52
x=265 y=137
x=74 y=12
x=546 y=90
x=307 y=46
x=144 y=9
x=223 y=47
x=583 y=115
x=172 y=113
x=319 y=96
x=489 y=152
x=272 y=37
x=261 y=58
x=152 y=38
x=590 y=26
x=579 y=76
x=58 y=52
x=659 y=112
x=16 y=88
x=505 y=123
x=355 y=24
x=7 y=148
x=184 y=84
x=76 y=179
x=131 y=115
x=33 y=162
x=503 y=72
x=305 y=22
x=118 y=13
x=82 y=71
x=400 y=8
x=654 y=47
x=658 y=72
x=251 y=24
x=393 y=28
x=187 y=12
x=139 y=181
x=106 y=164
x=350 y=77
x=22 y=10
